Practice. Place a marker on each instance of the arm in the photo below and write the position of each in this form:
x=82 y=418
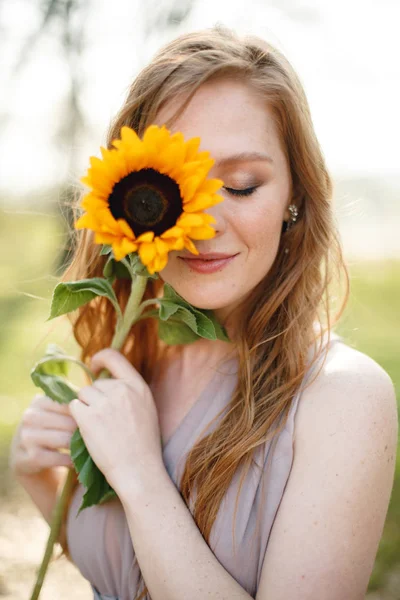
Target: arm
x=327 y=530
x=173 y=556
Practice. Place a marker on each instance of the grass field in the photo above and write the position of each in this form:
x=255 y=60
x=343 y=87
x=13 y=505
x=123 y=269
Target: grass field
x=29 y=245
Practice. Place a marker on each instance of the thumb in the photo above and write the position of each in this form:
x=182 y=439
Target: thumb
x=114 y=362
x=75 y=408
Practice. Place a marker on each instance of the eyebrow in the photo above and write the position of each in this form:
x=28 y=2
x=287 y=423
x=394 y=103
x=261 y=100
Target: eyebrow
x=243 y=156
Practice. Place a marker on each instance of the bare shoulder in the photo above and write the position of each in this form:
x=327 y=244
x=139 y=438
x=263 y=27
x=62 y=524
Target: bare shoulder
x=330 y=520
x=352 y=389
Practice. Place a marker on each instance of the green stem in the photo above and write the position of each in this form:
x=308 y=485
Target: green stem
x=131 y=315
x=131 y=311
x=56 y=521
x=148 y=303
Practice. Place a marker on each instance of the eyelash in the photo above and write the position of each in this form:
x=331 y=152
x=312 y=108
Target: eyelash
x=245 y=192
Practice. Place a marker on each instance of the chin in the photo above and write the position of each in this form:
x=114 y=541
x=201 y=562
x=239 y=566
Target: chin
x=202 y=294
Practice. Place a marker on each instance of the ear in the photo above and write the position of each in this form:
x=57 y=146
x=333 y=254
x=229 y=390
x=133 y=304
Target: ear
x=296 y=198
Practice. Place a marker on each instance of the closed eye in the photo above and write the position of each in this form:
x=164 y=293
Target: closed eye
x=244 y=192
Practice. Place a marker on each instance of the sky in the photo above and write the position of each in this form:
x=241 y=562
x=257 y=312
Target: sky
x=345 y=52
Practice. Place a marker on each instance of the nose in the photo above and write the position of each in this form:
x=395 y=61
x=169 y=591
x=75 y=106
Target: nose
x=219 y=212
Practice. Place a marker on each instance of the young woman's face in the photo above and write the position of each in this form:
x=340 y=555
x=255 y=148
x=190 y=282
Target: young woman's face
x=232 y=120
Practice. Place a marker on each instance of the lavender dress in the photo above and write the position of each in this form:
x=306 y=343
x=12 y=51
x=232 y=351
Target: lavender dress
x=99 y=538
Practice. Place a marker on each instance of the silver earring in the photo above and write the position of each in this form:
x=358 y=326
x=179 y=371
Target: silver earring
x=294 y=213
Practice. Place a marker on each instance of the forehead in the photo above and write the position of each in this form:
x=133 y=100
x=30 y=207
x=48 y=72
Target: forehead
x=228 y=116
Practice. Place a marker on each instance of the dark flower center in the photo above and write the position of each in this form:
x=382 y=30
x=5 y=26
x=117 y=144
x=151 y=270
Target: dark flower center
x=147 y=200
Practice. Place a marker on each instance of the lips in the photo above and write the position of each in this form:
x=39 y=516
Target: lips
x=208 y=256
x=206 y=264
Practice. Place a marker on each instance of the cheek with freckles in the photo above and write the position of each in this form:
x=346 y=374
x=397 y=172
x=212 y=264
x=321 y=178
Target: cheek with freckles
x=261 y=231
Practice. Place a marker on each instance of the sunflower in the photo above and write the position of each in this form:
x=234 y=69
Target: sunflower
x=147 y=195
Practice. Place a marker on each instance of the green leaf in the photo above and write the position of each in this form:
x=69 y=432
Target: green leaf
x=167 y=308
x=207 y=324
x=220 y=331
x=58 y=365
x=183 y=314
x=179 y=313
x=54 y=386
x=170 y=294
x=106 y=249
x=108 y=269
x=49 y=374
x=68 y=296
x=98 y=490
x=138 y=268
x=175 y=332
x=115 y=269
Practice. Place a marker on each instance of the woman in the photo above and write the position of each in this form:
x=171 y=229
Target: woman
x=302 y=428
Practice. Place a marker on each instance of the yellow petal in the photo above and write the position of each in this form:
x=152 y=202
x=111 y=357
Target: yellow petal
x=163 y=260
x=100 y=184
x=150 y=268
x=104 y=238
x=90 y=202
x=125 y=228
x=188 y=170
x=118 y=249
x=207 y=219
x=105 y=152
x=157 y=264
x=189 y=220
x=86 y=221
x=147 y=252
x=190 y=246
x=148 y=236
x=127 y=246
x=170 y=157
x=201 y=202
x=205 y=155
x=86 y=180
x=130 y=136
x=107 y=222
x=178 y=137
x=202 y=233
x=108 y=166
x=172 y=232
x=210 y=186
x=189 y=186
x=95 y=161
x=161 y=246
x=191 y=148
x=104 y=173
x=154 y=136
x=176 y=243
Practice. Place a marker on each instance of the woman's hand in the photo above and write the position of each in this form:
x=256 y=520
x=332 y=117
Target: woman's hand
x=46 y=426
x=118 y=421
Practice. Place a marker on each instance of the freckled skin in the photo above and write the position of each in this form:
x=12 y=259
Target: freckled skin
x=230 y=118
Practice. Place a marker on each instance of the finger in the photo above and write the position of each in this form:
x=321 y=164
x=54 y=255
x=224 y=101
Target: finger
x=48 y=420
x=109 y=385
x=49 y=404
x=88 y=394
x=45 y=439
x=115 y=362
x=78 y=409
x=52 y=458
